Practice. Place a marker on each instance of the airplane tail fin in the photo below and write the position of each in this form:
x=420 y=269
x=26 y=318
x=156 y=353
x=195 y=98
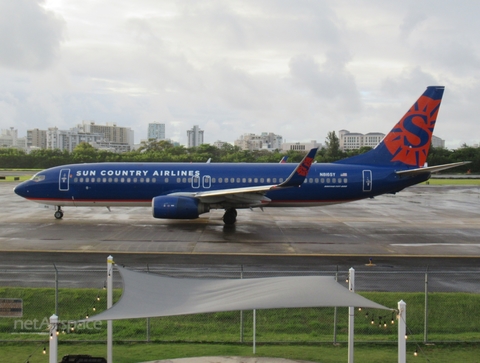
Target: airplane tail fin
x=408 y=143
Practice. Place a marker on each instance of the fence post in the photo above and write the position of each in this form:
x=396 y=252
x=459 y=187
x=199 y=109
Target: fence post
x=56 y=289
x=254 y=331
x=148 y=319
x=351 y=313
x=402 y=331
x=241 y=311
x=109 y=305
x=53 y=345
x=335 y=316
x=425 y=327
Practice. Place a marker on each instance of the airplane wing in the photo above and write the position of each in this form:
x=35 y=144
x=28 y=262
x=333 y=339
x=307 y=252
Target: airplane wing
x=255 y=194
x=430 y=169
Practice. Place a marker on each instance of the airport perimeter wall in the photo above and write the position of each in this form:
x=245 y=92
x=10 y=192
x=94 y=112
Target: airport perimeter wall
x=441 y=307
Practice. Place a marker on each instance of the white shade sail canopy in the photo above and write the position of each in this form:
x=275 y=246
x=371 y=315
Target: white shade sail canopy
x=150 y=295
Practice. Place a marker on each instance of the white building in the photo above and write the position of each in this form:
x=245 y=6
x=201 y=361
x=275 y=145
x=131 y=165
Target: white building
x=156 y=131
x=264 y=141
x=300 y=146
x=438 y=142
x=69 y=139
x=195 y=136
x=9 y=138
x=354 y=140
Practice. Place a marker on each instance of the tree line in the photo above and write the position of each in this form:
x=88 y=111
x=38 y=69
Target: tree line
x=164 y=151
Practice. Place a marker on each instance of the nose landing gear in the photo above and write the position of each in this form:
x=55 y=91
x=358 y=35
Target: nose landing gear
x=59 y=213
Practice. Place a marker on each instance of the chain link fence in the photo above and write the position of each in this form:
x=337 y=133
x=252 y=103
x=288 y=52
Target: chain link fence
x=441 y=307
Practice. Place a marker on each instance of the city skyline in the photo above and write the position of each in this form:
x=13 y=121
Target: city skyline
x=296 y=68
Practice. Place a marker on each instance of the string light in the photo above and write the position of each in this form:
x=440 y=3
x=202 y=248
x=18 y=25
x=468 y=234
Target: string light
x=359 y=309
x=415 y=353
x=94 y=309
x=44 y=350
x=98 y=297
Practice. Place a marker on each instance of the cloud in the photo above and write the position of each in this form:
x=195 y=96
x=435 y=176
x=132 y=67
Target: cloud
x=30 y=36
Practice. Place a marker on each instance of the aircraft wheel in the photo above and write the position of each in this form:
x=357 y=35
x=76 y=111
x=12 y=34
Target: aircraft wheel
x=58 y=214
x=230 y=216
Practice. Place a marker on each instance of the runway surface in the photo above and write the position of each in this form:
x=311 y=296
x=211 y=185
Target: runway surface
x=420 y=221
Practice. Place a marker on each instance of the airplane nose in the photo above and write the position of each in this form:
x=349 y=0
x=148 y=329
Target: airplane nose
x=21 y=189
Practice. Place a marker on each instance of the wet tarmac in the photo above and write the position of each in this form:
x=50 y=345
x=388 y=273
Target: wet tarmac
x=420 y=221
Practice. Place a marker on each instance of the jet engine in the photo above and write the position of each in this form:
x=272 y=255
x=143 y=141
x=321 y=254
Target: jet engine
x=172 y=207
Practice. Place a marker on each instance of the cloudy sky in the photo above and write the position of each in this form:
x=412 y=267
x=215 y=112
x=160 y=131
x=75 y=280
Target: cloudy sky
x=296 y=68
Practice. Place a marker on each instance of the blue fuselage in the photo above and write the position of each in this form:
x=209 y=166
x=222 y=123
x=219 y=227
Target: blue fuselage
x=128 y=184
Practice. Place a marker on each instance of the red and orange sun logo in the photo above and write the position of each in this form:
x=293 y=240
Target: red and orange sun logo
x=409 y=140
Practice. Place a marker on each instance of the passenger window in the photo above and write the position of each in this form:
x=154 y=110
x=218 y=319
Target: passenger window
x=129 y=180
x=178 y=180
x=142 y=180
x=316 y=180
x=345 y=180
x=115 y=180
x=334 y=180
x=328 y=180
x=75 y=180
x=220 y=180
x=135 y=180
x=274 y=180
x=255 y=180
x=147 y=180
x=154 y=180
x=104 y=180
x=166 y=180
x=122 y=180
x=262 y=180
x=244 y=180
x=81 y=180
x=232 y=180
x=238 y=180
x=322 y=180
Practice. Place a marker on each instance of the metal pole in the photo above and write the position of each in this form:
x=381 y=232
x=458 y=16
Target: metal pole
x=148 y=319
x=254 y=330
x=335 y=316
x=56 y=290
x=109 y=305
x=241 y=311
x=351 y=312
x=402 y=331
x=425 y=326
x=53 y=345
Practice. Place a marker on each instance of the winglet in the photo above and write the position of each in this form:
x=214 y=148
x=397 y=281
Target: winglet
x=299 y=174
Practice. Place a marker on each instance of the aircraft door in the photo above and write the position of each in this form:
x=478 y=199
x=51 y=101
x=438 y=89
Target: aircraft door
x=64 y=180
x=207 y=181
x=196 y=182
x=367 y=180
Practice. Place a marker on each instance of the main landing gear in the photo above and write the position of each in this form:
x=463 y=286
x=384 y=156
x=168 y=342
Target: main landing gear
x=59 y=213
x=230 y=216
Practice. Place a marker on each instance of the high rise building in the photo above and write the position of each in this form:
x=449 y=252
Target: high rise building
x=195 y=136
x=156 y=131
x=37 y=138
x=111 y=132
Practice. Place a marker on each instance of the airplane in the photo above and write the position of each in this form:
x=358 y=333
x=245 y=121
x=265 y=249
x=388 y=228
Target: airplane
x=187 y=190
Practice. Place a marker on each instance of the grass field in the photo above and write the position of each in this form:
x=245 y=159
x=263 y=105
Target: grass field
x=304 y=334
x=324 y=353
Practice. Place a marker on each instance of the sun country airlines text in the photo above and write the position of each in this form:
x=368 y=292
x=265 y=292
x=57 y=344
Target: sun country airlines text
x=144 y=173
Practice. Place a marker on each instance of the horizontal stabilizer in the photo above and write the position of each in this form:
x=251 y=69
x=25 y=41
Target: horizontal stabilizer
x=430 y=169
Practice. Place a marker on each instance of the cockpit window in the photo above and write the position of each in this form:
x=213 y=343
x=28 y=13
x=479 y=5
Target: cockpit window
x=37 y=178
